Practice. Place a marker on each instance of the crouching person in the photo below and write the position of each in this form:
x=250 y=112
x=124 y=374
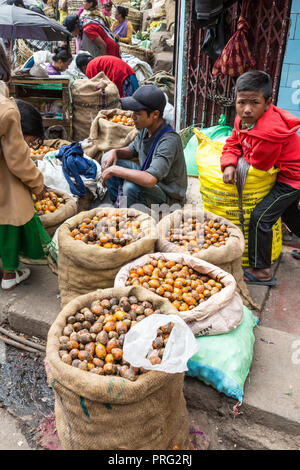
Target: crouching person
x=160 y=176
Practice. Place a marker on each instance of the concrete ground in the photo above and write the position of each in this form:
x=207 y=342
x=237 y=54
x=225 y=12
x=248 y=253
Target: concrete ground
x=11 y=438
x=269 y=417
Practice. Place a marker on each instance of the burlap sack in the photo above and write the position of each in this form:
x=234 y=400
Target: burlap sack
x=170 y=13
x=165 y=81
x=220 y=314
x=106 y=135
x=83 y=268
x=110 y=413
x=52 y=143
x=227 y=257
x=53 y=220
x=89 y=97
x=56 y=143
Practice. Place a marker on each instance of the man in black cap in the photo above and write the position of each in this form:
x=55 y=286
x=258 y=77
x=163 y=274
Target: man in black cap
x=161 y=176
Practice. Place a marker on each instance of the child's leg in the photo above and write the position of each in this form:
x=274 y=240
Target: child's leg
x=291 y=218
x=9 y=250
x=263 y=217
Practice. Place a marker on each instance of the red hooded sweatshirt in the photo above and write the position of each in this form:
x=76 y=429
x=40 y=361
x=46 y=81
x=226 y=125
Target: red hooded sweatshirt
x=273 y=141
x=114 y=68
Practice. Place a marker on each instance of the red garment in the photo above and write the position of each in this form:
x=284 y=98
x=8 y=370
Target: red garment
x=273 y=141
x=93 y=30
x=114 y=68
x=236 y=57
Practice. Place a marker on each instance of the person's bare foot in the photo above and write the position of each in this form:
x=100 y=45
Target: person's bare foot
x=261 y=274
x=296 y=254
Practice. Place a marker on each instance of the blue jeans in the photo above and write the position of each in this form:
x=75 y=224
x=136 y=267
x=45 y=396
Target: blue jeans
x=135 y=194
x=130 y=85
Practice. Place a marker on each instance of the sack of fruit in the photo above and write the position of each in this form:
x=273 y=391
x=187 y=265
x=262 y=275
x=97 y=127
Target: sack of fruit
x=204 y=295
x=205 y=236
x=56 y=143
x=101 y=402
x=48 y=146
x=54 y=209
x=89 y=97
x=94 y=245
x=111 y=129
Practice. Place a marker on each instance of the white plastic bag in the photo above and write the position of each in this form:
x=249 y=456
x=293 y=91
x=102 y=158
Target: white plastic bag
x=158 y=8
x=54 y=178
x=168 y=112
x=180 y=347
x=42 y=58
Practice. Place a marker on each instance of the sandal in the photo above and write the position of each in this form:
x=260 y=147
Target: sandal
x=251 y=279
x=295 y=254
x=10 y=283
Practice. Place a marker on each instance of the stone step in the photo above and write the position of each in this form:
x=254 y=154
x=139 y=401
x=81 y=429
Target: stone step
x=271 y=395
x=32 y=307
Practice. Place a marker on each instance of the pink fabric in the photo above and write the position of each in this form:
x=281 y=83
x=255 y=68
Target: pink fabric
x=106 y=12
x=77 y=44
x=80 y=10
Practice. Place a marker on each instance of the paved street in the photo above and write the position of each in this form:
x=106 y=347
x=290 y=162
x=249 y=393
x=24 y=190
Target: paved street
x=272 y=389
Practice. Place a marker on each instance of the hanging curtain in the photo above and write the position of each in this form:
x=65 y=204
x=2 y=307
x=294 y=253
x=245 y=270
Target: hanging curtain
x=236 y=57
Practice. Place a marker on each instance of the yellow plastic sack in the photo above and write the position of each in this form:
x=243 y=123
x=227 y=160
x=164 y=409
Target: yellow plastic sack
x=222 y=199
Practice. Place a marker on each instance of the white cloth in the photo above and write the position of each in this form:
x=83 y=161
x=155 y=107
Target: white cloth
x=142 y=69
x=51 y=168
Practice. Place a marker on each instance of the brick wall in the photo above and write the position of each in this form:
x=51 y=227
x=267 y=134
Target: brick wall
x=289 y=91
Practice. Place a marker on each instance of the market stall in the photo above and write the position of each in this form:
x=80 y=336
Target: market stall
x=51 y=97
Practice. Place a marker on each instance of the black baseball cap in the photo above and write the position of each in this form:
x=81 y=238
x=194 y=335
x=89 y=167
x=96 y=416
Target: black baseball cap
x=147 y=97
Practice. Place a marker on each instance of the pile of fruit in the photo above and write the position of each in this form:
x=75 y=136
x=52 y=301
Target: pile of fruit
x=41 y=151
x=120 y=119
x=114 y=230
x=184 y=287
x=158 y=345
x=50 y=203
x=93 y=338
x=195 y=235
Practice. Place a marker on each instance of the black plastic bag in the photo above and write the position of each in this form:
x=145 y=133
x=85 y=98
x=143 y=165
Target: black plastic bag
x=205 y=12
x=214 y=41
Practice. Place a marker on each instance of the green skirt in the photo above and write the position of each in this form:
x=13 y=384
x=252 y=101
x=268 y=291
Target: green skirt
x=30 y=240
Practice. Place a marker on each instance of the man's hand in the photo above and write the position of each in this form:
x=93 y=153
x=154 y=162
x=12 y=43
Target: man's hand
x=229 y=174
x=108 y=173
x=41 y=195
x=110 y=159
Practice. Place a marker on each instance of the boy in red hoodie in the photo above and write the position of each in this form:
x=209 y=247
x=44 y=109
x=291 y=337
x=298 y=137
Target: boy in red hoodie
x=265 y=136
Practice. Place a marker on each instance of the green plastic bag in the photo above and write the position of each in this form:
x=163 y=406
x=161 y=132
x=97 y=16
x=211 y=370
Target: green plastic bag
x=219 y=132
x=190 y=156
x=224 y=361
x=146 y=44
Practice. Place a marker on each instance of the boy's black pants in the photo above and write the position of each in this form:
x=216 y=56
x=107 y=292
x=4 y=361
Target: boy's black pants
x=282 y=201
